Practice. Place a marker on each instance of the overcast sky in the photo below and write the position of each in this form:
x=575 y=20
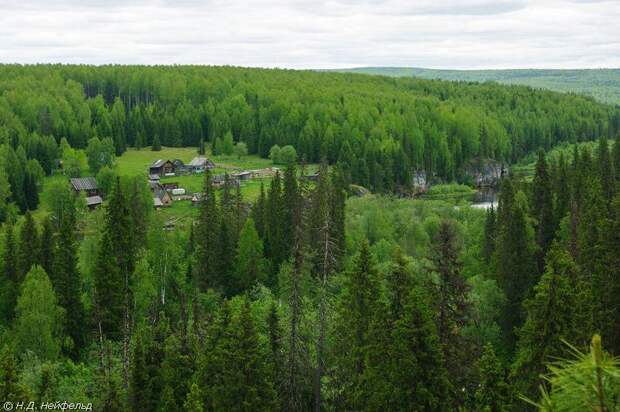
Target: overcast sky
x=314 y=33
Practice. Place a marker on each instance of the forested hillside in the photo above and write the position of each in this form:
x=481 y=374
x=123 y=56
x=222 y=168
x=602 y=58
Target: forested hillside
x=601 y=84
x=313 y=294
x=379 y=129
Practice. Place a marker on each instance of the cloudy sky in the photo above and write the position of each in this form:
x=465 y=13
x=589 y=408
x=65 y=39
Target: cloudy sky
x=315 y=33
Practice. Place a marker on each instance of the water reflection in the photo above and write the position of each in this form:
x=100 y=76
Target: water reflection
x=485 y=198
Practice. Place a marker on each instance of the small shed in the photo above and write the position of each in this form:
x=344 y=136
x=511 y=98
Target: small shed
x=93 y=202
x=161 y=167
x=199 y=164
x=87 y=185
x=245 y=175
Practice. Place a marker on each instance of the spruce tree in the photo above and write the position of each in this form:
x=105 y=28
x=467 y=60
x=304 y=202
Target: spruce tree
x=416 y=369
x=516 y=269
x=10 y=281
x=249 y=263
x=193 y=402
x=550 y=319
x=114 y=265
x=488 y=246
x=493 y=392
x=207 y=239
x=140 y=383
x=606 y=170
x=66 y=279
x=612 y=239
x=451 y=293
x=359 y=301
x=177 y=369
x=156 y=146
x=46 y=257
x=275 y=246
x=10 y=388
x=542 y=207
x=28 y=246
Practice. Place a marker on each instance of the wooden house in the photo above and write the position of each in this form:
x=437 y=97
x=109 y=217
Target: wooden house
x=161 y=168
x=87 y=185
x=199 y=164
x=179 y=166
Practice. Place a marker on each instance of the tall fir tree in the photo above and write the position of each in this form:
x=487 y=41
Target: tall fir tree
x=542 y=207
x=10 y=281
x=28 y=246
x=493 y=392
x=490 y=231
x=451 y=293
x=207 y=239
x=550 y=318
x=47 y=246
x=514 y=259
x=113 y=268
x=66 y=278
x=606 y=169
x=249 y=264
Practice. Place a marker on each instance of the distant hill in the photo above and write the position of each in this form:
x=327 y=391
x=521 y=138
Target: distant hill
x=602 y=84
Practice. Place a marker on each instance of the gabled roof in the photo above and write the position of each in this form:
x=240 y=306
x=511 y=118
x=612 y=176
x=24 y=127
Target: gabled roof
x=84 y=183
x=158 y=163
x=198 y=161
x=178 y=162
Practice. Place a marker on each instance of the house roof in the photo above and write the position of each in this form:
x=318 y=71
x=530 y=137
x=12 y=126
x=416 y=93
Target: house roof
x=84 y=183
x=94 y=200
x=198 y=161
x=158 y=163
x=178 y=162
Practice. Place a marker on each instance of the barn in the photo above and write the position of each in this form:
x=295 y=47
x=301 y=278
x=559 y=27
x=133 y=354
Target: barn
x=162 y=167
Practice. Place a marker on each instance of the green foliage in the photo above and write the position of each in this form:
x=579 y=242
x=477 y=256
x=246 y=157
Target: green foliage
x=249 y=264
x=10 y=388
x=493 y=393
x=38 y=319
x=588 y=382
x=241 y=149
x=598 y=83
x=100 y=154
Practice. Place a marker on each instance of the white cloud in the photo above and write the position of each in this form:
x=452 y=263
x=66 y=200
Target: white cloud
x=314 y=34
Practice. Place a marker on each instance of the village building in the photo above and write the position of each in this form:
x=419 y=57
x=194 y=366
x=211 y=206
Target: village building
x=245 y=175
x=93 y=202
x=161 y=197
x=179 y=166
x=161 y=168
x=199 y=164
x=88 y=185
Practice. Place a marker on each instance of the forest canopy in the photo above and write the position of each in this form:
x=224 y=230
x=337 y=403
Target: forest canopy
x=382 y=130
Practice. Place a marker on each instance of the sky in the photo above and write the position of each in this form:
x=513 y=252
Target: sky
x=307 y=34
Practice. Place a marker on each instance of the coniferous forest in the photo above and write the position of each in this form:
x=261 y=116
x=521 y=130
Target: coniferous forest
x=312 y=294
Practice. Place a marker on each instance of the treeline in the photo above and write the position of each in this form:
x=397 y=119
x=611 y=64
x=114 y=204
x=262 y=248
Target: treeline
x=380 y=130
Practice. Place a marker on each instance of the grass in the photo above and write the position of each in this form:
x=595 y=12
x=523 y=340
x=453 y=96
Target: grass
x=136 y=162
